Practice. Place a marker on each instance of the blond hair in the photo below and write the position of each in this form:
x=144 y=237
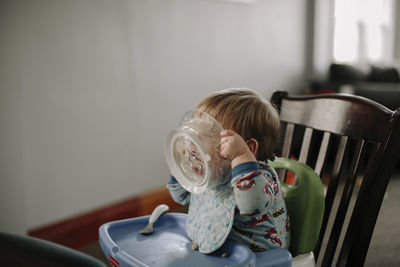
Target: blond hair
x=248 y=114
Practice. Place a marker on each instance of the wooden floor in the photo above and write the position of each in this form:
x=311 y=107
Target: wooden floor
x=385 y=245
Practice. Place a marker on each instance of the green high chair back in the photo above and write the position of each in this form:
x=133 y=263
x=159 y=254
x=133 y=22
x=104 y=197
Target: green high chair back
x=305 y=203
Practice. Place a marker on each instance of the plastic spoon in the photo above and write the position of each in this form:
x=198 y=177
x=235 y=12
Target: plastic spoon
x=157 y=212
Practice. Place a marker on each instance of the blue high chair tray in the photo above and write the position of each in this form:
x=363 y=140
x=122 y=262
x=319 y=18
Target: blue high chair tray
x=169 y=245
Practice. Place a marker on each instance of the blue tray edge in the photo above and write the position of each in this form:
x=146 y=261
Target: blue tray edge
x=278 y=257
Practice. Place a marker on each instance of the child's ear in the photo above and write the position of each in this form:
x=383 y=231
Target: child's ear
x=253 y=145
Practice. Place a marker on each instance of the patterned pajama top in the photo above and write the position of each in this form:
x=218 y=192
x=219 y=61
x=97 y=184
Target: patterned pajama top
x=253 y=213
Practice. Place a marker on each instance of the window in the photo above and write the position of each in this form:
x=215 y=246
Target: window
x=363 y=31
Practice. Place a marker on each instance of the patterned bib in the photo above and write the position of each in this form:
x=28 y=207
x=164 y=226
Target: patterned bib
x=210 y=217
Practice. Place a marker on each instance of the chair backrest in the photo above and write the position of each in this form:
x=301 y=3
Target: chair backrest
x=352 y=143
x=305 y=204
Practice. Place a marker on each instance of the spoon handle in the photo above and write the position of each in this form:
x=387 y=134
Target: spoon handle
x=160 y=209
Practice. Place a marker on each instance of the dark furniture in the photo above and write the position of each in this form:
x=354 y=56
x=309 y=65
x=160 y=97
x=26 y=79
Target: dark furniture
x=28 y=251
x=353 y=144
x=381 y=84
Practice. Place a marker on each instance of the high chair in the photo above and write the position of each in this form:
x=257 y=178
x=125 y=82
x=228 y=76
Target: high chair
x=352 y=143
x=305 y=204
x=169 y=245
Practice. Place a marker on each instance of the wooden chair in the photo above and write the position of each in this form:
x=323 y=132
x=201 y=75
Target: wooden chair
x=352 y=143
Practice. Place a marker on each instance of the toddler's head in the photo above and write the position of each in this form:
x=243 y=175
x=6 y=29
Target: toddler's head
x=248 y=114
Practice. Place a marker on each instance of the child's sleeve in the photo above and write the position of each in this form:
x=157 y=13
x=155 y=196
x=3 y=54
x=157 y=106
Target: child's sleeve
x=177 y=192
x=253 y=188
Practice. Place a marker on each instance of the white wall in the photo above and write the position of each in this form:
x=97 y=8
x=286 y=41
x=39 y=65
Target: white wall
x=396 y=45
x=90 y=88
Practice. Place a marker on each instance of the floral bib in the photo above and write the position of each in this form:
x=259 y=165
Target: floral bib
x=210 y=217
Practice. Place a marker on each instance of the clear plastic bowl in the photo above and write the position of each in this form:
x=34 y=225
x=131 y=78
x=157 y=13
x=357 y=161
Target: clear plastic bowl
x=193 y=155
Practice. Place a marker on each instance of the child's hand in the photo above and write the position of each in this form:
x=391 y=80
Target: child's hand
x=234 y=148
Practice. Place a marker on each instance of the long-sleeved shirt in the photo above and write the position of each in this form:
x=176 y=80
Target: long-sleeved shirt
x=258 y=212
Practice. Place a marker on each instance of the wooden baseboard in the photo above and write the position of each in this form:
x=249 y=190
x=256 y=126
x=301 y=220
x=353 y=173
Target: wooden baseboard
x=79 y=231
